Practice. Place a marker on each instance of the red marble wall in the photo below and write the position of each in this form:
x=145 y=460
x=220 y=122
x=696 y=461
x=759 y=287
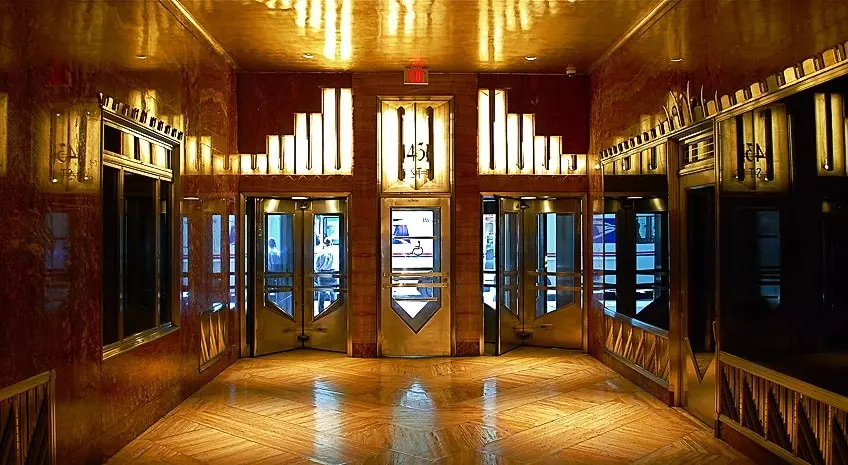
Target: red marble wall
x=57 y=54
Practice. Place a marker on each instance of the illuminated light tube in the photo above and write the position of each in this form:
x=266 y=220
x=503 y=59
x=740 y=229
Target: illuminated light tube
x=528 y=130
x=288 y=154
x=205 y=153
x=499 y=130
x=346 y=130
x=272 y=148
x=541 y=155
x=189 y=162
x=316 y=145
x=513 y=143
x=555 y=153
x=484 y=151
x=332 y=156
x=301 y=143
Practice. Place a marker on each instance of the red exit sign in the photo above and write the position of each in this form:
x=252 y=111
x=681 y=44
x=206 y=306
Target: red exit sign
x=416 y=75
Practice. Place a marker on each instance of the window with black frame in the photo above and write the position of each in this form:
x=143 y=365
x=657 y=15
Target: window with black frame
x=630 y=242
x=137 y=237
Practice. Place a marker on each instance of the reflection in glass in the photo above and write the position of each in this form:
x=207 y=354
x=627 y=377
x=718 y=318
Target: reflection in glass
x=489 y=265
x=139 y=253
x=279 y=262
x=327 y=263
x=231 y=223
x=511 y=263
x=603 y=258
x=554 y=262
x=416 y=264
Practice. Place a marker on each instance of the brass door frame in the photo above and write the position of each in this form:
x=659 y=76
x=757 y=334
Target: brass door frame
x=529 y=270
x=321 y=328
x=565 y=204
x=679 y=186
x=246 y=340
x=289 y=338
x=443 y=203
x=511 y=206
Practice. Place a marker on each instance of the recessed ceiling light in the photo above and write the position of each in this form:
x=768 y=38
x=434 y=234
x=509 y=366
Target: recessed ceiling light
x=531 y=58
x=141 y=57
x=676 y=60
x=191 y=198
x=308 y=56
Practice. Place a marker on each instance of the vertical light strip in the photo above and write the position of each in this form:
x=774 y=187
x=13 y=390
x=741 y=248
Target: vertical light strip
x=301 y=143
x=316 y=138
x=513 y=144
x=484 y=151
x=346 y=130
x=190 y=155
x=483 y=32
x=288 y=155
x=499 y=128
x=528 y=129
x=272 y=148
x=330 y=136
x=540 y=154
x=315 y=14
x=555 y=153
x=330 y=30
x=205 y=153
x=345 y=30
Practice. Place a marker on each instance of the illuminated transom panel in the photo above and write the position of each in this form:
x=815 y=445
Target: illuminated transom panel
x=415 y=145
x=508 y=143
x=322 y=144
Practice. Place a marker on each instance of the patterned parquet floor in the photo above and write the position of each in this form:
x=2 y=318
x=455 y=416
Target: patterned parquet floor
x=529 y=406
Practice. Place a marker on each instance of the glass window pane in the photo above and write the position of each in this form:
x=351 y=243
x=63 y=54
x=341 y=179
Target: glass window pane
x=327 y=263
x=165 y=309
x=416 y=258
x=140 y=253
x=111 y=255
x=555 y=261
x=279 y=261
x=231 y=223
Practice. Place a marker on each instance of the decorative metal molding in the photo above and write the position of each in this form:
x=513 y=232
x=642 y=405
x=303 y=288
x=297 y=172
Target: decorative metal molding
x=788 y=416
x=27 y=421
x=638 y=343
x=136 y=115
x=685 y=109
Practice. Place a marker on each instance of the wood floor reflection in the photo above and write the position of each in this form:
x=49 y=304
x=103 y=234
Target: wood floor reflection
x=529 y=406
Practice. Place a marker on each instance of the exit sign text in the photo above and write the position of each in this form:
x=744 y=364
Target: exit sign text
x=416 y=75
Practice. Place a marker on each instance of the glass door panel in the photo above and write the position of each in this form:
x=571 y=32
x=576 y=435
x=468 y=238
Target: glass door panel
x=277 y=321
x=415 y=316
x=552 y=310
x=509 y=273
x=299 y=275
x=555 y=262
x=279 y=262
x=325 y=293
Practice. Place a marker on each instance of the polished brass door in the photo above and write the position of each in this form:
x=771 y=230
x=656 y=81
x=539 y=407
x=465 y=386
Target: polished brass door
x=509 y=274
x=552 y=310
x=415 y=316
x=325 y=275
x=299 y=275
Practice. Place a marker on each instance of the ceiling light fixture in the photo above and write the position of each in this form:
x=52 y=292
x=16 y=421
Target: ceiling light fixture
x=676 y=60
x=141 y=57
x=308 y=56
x=531 y=58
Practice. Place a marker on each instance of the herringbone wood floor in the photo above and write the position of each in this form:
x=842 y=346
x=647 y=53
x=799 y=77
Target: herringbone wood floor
x=529 y=406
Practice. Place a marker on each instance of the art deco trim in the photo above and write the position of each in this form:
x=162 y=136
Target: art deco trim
x=686 y=109
x=139 y=116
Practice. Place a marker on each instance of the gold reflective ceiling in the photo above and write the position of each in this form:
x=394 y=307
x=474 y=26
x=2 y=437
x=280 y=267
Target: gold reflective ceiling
x=447 y=35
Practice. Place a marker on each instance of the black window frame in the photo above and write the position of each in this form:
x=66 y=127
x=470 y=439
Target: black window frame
x=165 y=236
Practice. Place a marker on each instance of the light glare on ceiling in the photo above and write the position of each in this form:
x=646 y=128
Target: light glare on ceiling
x=531 y=58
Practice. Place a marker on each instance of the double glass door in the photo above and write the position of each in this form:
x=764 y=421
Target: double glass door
x=299 y=275
x=532 y=278
x=415 y=315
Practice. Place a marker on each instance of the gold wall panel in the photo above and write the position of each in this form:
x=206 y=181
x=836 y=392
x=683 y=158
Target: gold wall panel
x=755 y=150
x=416 y=145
